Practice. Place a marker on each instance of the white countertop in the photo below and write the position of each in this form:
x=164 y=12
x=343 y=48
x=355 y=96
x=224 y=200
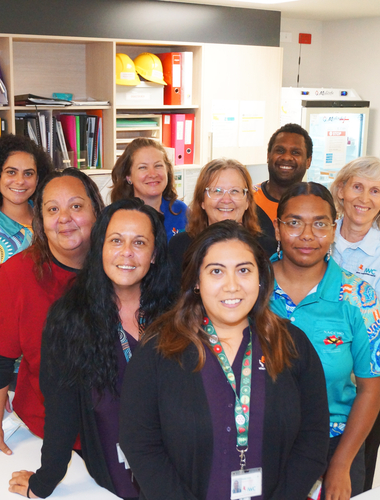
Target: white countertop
x=26 y=447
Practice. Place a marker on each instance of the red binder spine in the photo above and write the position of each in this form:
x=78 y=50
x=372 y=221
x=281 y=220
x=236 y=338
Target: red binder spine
x=166 y=131
x=172 y=68
x=189 y=139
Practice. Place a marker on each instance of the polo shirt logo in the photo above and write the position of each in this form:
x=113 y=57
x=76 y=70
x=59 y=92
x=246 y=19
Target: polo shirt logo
x=333 y=339
x=262 y=363
x=366 y=271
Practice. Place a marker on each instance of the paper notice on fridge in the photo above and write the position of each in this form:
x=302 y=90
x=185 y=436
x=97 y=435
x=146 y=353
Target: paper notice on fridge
x=251 y=123
x=225 y=123
x=336 y=145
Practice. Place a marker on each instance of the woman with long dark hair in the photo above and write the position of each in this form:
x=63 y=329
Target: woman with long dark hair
x=66 y=206
x=224 y=398
x=88 y=339
x=145 y=171
x=340 y=313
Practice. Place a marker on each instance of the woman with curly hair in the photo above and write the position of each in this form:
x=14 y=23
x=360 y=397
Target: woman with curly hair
x=89 y=337
x=145 y=171
x=23 y=166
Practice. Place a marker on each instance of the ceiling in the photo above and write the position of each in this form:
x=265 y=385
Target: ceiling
x=322 y=10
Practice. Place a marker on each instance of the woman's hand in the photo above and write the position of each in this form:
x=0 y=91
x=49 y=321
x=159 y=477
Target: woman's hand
x=20 y=483
x=337 y=483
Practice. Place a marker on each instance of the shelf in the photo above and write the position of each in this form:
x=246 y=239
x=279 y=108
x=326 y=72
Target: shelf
x=58 y=108
x=4 y=108
x=159 y=108
x=135 y=129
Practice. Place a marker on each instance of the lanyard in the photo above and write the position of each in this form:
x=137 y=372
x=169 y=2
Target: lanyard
x=242 y=403
x=123 y=337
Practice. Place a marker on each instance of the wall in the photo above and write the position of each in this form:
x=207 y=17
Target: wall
x=342 y=53
x=141 y=20
x=350 y=52
x=310 y=70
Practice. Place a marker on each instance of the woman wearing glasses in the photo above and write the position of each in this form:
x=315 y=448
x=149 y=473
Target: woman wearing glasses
x=340 y=314
x=223 y=191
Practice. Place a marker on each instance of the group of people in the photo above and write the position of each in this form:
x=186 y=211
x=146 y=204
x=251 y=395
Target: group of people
x=203 y=352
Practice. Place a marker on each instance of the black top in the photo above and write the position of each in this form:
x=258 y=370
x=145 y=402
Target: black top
x=181 y=242
x=166 y=427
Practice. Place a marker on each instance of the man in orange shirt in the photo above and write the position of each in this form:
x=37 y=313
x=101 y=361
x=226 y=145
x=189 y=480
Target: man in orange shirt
x=289 y=156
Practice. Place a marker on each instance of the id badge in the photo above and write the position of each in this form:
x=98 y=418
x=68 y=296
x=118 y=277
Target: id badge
x=246 y=484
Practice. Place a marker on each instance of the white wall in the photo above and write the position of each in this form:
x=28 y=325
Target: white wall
x=311 y=69
x=350 y=57
x=342 y=53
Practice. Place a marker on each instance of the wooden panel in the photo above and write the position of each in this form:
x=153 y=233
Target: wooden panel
x=44 y=68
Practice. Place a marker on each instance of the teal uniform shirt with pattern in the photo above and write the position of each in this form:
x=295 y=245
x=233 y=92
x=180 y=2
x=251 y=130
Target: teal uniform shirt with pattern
x=342 y=320
x=14 y=237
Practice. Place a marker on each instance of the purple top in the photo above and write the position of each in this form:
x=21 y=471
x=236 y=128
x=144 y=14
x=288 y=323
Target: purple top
x=107 y=419
x=221 y=400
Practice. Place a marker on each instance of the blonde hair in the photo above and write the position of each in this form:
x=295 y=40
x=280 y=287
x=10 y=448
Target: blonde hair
x=365 y=166
x=197 y=219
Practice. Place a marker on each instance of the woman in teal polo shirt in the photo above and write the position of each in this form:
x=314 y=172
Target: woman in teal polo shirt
x=23 y=165
x=340 y=314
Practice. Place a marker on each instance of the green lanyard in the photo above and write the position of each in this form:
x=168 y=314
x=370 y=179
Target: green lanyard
x=242 y=403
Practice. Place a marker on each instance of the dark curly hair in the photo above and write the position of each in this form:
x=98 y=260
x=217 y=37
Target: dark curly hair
x=293 y=128
x=11 y=144
x=82 y=326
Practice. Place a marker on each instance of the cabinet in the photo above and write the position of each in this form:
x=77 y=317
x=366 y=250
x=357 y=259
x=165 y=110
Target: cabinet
x=85 y=67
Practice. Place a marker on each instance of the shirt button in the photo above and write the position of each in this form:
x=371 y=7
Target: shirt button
x=224 y=452
x=230 y=405
x=228 y=429
x=292 y=319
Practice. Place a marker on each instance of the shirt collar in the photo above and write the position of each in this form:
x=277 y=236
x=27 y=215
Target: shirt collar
x=368 y=244
x=329 y=286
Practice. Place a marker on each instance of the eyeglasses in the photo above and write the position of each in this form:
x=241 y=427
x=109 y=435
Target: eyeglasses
x=217 y=193
x=296 y=227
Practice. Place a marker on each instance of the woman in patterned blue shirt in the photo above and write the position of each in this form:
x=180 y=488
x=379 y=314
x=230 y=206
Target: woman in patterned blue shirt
x=23 y=165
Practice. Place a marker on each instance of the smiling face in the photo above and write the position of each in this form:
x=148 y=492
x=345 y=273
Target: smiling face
x=361 y=199
x=229 y=283
x=305 y=250
x=18 y=178
x=149 y=174
x=68 y=217
x=225 y=208
x=287 y=161
x=128 y=249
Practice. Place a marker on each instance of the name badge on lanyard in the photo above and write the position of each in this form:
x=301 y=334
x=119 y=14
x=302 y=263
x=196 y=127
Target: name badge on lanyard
x=246 y=484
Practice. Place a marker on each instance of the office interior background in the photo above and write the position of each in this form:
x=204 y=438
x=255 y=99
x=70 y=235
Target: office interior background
x=343 y=52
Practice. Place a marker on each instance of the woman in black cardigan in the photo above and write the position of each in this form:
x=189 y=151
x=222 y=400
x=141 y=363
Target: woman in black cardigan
x=187 y=433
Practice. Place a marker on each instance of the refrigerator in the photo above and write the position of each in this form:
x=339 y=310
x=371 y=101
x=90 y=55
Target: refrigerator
x=337 y=122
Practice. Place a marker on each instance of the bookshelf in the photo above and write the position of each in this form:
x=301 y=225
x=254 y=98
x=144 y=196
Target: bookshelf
x=86 y=67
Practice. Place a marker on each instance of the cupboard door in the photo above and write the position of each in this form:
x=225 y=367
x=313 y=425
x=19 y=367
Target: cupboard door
x=241 y=90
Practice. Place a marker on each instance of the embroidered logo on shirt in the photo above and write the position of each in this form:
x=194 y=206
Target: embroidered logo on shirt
x=333 y=339
x=262 y=363
x=366 y=271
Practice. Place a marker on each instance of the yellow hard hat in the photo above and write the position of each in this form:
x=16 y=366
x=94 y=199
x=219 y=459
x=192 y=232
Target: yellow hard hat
x=149 y=66
x=125 y=71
